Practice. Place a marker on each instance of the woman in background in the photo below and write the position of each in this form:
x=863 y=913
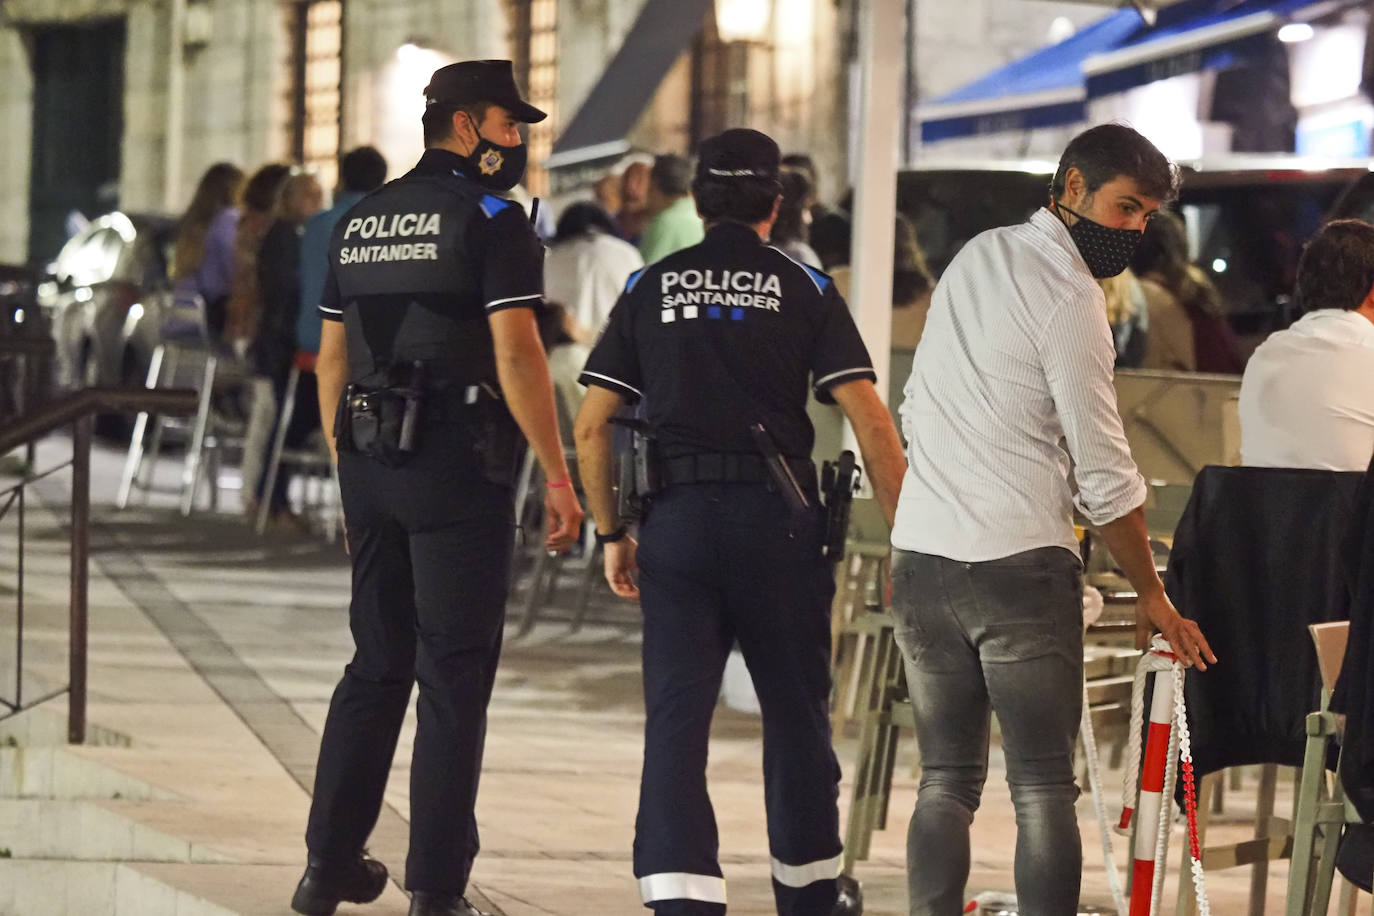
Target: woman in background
x=203 y=261
x=1188 y=331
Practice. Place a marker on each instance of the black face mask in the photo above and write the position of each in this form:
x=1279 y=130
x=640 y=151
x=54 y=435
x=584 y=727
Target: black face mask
x=497 y=167
x=1106 y=251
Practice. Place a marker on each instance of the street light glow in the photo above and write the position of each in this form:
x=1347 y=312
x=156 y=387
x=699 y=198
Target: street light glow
x=1295 y=32
x=743 y=20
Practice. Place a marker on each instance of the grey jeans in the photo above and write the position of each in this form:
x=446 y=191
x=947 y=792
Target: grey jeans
x=1004 y=635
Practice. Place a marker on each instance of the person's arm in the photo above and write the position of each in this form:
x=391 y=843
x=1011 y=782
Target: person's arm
x=523 y=371
x=879 y=444
x=1077 y=354
x=331 y=374
x=594 y=464
x=1130 y=546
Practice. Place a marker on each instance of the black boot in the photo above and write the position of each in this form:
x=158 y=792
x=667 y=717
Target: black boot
x=326 y=884
x=851 y=897
x=424 y=903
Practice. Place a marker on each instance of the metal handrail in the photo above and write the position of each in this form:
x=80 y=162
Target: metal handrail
x=78 y=409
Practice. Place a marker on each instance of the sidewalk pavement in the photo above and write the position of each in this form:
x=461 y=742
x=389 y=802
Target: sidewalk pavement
x=213 y=654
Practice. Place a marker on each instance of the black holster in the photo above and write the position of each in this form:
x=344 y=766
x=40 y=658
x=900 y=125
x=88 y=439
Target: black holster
x=382 y=421
x=839 y=483
x=639 y=469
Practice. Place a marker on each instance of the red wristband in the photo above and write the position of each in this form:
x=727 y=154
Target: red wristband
x=554 y=484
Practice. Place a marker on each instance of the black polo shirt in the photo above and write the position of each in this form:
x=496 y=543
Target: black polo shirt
x=725 y=334
x=416 y=267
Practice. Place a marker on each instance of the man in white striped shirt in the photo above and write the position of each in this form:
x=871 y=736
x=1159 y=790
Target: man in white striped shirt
x=1011 y=389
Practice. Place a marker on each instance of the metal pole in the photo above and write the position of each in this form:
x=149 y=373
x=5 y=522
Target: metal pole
x=81 y=522
x=912 y=88
x=875 y=191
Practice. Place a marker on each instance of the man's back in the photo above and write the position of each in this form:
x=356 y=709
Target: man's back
x=586 y=275
x=1307 y=399
x=1016 y=354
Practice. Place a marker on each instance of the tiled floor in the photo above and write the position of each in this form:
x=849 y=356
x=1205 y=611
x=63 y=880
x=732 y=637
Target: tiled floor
x=216 y=652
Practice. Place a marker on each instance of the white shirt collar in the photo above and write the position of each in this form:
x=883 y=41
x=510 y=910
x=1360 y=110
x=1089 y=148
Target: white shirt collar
x=1339 y=325
x=1053 y=228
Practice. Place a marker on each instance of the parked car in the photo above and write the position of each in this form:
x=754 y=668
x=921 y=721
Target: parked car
x=103 y=297
x=1248 y=217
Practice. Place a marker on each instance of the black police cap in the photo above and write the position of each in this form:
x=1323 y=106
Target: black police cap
x=739 y=154
x=472 y=81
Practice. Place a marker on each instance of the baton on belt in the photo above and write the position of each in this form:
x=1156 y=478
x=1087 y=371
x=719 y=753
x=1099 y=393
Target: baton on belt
x=778 y=468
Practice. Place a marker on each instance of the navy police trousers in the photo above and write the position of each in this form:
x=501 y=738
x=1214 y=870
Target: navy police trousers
x=720 y=563
x=431 y=548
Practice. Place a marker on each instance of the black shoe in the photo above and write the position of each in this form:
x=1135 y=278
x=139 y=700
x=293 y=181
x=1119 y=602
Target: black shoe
x=424 y=903
x=327 y=884
x=851 y=897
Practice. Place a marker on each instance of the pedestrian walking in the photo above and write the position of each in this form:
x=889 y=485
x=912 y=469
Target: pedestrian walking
x=725 y=552
x=430 y=368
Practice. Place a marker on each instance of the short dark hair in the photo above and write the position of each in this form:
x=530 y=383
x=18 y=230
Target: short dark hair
x=735 y=200
x=671 y=174
x=362 y=169
x=1110 y=151
x=582 y=217
x=261 y=191
x=832 y=239
x=790 y=225
x=438 y=119
x=1336 y=270
x=802 y=162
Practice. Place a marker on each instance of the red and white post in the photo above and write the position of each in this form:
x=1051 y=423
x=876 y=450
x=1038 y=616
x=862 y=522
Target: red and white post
x=1151 y=804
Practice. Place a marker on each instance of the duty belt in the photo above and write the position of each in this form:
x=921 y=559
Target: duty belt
x=730 y=467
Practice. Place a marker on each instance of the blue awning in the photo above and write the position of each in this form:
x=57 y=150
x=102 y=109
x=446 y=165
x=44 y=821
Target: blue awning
x=1051 y=86
x=1193 y=36
x=1043 y=89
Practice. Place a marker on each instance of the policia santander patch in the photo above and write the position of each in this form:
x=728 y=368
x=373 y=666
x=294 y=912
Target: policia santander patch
x=370 y=239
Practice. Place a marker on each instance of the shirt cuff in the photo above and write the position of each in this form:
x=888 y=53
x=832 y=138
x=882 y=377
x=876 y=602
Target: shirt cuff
x=612 y=384
x=514 y=302
x=1126 y=498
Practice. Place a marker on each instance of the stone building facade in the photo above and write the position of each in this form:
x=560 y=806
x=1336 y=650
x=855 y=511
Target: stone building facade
x=250 y=81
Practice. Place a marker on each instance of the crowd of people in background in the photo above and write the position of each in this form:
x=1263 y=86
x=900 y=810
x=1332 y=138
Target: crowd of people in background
x=251 y=249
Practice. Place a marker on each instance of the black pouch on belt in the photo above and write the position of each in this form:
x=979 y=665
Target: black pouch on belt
x=380 y=422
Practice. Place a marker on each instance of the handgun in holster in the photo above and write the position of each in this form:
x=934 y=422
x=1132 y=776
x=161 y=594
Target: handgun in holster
x=839 y=483
x=639 y=473
x=382 y=421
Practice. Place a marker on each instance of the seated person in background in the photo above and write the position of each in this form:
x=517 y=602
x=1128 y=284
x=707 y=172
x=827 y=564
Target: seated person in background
x=586 y=268
x=1307 y=398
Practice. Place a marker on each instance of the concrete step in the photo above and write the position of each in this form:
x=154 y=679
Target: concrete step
x=56 y=772
x=47 y=725
x=59 y=888
x=89 y=831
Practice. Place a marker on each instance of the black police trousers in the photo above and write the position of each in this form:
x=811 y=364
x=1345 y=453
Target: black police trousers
x=431 y=545
x=720 y=563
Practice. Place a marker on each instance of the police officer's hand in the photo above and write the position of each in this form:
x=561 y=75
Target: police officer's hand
x=621 y=568
x=565 y=517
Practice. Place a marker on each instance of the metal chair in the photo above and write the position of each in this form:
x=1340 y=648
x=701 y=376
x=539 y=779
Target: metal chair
x=314 y=461
x=186 y=350
x=1322 y=807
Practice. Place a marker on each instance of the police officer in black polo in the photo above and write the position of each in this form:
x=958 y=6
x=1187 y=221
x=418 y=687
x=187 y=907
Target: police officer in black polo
x=715 y=339
x=430 y=367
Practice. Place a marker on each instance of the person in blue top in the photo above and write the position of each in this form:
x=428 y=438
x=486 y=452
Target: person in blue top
x=361 y=171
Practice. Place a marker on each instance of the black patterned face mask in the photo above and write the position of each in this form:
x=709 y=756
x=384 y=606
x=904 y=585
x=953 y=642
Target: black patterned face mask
x=1106 y=251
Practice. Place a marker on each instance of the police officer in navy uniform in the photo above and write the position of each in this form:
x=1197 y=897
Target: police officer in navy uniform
x=431 y=359
x=714 y=339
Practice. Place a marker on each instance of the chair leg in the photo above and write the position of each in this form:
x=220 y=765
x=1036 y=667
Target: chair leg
x=1307 y=807
x=595 y=568
x=135 y=456
x=284 y=412
x=190 y=474
x=1264 y=813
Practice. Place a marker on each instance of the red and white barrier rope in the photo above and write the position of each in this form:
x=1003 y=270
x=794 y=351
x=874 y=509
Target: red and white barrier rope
x=1168 y=737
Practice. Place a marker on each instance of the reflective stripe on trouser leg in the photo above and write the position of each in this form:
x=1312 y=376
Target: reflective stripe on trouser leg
x=681 y=885
x=810 y=873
